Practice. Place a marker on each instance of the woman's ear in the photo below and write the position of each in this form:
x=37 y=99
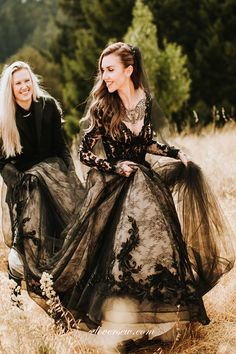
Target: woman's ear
x=129 y=70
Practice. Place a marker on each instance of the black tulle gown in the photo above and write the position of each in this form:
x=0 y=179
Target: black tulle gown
x=121 y=238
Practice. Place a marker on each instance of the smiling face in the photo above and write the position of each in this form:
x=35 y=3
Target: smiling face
x=22 y=87
x=114 y=74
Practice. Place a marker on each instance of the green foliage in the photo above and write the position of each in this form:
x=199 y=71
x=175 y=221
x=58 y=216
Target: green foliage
x=173 y=80
x=83 y=67
x=24 y=22
x=206 y=31
x=72 y=123
x=76 y=31
x=69 y=20
x=85 y=29
x=45 y=30
x=104 y=18
x=143 y=33
x=78 y=76
x=166 y=68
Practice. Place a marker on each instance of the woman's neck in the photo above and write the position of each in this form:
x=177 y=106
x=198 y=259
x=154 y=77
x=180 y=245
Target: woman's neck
x=24 y=104
x=129 y=96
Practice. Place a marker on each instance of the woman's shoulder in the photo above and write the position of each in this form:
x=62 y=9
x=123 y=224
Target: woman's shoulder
x=149 y=96
x=49 y=102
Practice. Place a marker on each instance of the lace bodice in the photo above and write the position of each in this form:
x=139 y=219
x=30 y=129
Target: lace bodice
x=127 y=146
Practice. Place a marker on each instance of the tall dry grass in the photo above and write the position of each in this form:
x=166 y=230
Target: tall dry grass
x=32 y=331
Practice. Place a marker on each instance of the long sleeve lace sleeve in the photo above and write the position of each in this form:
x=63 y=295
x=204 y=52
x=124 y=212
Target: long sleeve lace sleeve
x=86 y=154
x=156 y=148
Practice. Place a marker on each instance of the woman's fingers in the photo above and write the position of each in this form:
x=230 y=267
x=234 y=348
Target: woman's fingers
x=183 y=157
x=126 y=168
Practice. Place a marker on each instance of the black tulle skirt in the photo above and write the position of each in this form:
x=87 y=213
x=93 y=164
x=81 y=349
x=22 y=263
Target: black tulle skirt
x=122 y=241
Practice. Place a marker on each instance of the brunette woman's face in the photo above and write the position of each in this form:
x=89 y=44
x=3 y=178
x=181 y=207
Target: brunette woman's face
x=22 y=87
x=114 y=74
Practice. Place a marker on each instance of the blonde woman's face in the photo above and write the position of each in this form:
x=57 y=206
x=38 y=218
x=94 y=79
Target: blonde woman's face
x=22 y=87
x=114 y=74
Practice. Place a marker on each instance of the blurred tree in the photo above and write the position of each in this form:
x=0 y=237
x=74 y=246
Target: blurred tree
x=72 y=48
x=85 y=29
x=45 y=29
x=206 y=31
x=166 y=67
x=173 y=79
x=69 y=19
x=143 y=33
x=108 y=18
x=78 y=75
x=25 y=22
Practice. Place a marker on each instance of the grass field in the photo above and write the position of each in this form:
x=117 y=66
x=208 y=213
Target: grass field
x=31 y=331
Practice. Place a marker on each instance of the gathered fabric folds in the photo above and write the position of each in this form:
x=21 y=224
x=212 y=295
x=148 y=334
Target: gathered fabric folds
x=206 y=233
x=120 y=238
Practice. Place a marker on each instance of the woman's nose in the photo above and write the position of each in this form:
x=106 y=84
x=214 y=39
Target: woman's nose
x=105 y=75
x=24 y=86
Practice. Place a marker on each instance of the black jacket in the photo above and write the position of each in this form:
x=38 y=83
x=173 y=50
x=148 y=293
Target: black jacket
x=46 y=141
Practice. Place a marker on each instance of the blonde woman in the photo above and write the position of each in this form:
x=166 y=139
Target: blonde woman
x=34 y=164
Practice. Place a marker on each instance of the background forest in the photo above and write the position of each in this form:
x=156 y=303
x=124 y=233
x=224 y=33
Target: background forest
x=188 y=46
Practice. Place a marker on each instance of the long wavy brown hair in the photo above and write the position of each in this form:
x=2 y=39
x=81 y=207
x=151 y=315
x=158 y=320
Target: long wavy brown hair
x=108 y=105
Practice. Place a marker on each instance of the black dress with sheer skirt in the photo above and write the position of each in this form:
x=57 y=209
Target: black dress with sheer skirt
x=132 y=254
x=41 y=188
x=125 y=250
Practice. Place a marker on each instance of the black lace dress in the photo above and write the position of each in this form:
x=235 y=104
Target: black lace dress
x=141 y=255
x=124 y=250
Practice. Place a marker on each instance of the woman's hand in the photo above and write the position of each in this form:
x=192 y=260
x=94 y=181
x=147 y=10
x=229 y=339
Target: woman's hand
x=126 y=168
x=183 y=157
x=11 y=175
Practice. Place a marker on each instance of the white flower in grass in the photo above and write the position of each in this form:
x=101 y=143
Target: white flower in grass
x=63 y=318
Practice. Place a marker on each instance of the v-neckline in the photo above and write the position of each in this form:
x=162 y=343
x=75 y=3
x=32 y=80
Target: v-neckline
x=144 y=119
x=131 y=132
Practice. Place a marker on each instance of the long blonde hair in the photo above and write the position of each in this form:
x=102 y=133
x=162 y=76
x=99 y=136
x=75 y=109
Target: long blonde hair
x=110 y=103
x=10 y=137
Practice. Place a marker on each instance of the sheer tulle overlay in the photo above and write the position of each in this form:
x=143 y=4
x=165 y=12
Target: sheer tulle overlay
x=120 y=239
x=117 y=245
